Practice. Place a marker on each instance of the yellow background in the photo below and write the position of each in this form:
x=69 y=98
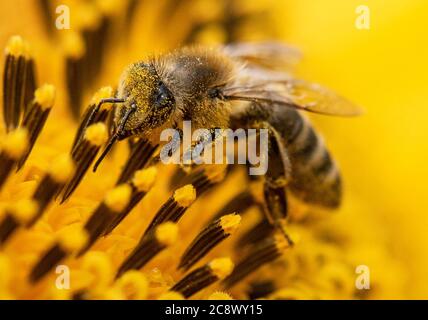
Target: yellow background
x=384 y=153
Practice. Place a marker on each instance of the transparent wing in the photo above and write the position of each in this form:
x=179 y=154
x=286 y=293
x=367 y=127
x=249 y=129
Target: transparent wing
x=270 y=55
x=293 y=93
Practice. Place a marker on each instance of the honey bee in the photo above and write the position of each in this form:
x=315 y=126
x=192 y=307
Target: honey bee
x=238 y=86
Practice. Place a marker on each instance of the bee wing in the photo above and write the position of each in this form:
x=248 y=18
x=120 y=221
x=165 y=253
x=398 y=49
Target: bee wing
x=294 y=93
x=270 y=55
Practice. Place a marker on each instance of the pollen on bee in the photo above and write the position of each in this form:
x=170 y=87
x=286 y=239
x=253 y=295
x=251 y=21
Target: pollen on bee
x=174 y=208
x=19 y=81
x=13 y=147
x=208 y=238
x=36 y=116
x=204 y=276
x=149 y=246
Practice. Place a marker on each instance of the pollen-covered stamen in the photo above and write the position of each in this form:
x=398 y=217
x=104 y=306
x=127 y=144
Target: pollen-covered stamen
x=93 y=139
x=16 y=215
x=208 y=238
x=141 y=183
x=59 y=173
x=138 y=158
x=202 y=277
x=149 y=246
x=257 y=233
x=36 y=115
x=66 y=243
x=12 y=147
x=115 y=201
x=267 y=251
x=174 y=208
x=97 y=111
x=18 y=81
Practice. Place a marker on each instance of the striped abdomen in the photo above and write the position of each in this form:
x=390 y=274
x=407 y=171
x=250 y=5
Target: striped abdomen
x=315 y=177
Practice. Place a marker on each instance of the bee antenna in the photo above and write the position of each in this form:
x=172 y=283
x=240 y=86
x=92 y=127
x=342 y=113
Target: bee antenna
x=116 y=135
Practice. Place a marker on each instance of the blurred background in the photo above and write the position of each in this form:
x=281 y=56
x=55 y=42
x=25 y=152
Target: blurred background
x=384 y=69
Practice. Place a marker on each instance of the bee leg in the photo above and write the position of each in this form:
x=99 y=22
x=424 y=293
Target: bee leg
x=195 y=151
x=276 y=178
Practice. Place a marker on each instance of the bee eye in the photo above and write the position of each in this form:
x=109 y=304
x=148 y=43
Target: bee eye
x=164 y=97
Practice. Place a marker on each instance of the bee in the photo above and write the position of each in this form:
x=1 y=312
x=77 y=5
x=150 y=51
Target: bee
x=238 y=86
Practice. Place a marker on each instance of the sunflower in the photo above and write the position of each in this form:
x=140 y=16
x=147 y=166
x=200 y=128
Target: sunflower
x=136 y=229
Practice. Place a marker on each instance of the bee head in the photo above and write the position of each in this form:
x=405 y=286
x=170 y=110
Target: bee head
x=147 y=104
x=144 y=92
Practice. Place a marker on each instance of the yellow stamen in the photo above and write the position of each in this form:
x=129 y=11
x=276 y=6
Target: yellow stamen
x=110 y=7
x=99 y=265
x=45 y=96
x=15 y=143
x=16 y=46
x=221 y=267
x=73 y=45
x=23 y=210
x=144 y=179
x=62 y=168
x=166 y=233
x=117 y=198
x=103 y=93
x=72 y=238
x=134 y=285
x=87 y=17
x=230 y=223
x=96 y=134
x=185 y=195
